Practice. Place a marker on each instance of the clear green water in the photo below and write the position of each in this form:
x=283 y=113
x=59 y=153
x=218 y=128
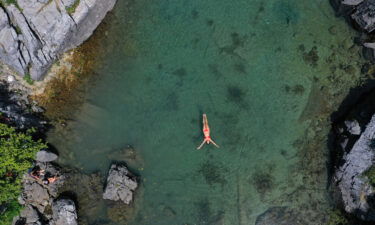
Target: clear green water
x=245 y=63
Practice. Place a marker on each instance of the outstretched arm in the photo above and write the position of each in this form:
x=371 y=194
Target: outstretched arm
x=200 y=146
x=217 y=146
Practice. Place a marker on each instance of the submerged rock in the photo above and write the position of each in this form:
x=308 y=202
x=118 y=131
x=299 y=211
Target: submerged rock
x=279 y=216
x=120 y=184
x=64 y=212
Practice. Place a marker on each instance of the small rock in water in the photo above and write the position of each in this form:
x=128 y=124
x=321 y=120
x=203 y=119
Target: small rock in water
x=120 y=185
x=353 y=127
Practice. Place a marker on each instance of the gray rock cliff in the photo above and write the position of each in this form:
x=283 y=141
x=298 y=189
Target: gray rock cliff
x=34 y=33
x=356 y=192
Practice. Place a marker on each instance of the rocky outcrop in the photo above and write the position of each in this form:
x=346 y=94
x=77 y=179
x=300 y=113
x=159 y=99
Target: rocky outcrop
x=34 y=33
x=350 y=178
x=17 y=110
x=361 y=13
x=64 y=212
x=120 y=184
x=39 y=195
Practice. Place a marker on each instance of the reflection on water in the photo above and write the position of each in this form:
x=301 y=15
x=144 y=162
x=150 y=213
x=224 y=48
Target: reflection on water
x=265 y=73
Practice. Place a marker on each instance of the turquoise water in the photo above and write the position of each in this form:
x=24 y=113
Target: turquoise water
x=262 y=71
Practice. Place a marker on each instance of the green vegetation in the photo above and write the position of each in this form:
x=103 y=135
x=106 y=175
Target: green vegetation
x=336 y=218
x=370 y=174
x=28 y=79
x=12 y=209
x=18 y=30
x=72 y=8
x=17 y=150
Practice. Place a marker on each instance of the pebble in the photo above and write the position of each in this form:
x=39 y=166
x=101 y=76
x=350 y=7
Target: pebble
x=11 y=78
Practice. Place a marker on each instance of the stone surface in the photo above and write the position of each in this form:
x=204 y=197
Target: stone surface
x=64 y=212
x=38 y=195
x=365 y=15
x=10 y=78
x=120 y=185
x=353 y=127
x=351 y=2
x=45 y=156
x=353 y=185
x=37 y=32
x=30 y=214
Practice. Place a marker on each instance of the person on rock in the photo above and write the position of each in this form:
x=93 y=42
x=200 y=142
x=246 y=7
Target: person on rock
x=37 y=173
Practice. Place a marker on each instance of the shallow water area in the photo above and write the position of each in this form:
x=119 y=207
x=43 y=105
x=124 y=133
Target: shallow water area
x=261 y=71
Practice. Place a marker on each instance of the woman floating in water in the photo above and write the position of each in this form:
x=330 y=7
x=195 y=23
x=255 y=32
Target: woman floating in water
x=206 y=132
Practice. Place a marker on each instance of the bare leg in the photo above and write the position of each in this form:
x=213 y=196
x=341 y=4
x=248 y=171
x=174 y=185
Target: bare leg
x=217 y=146
x=205 y=122
x=200 y=146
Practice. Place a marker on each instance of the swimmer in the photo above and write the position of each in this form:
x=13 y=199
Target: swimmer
x=206 y=132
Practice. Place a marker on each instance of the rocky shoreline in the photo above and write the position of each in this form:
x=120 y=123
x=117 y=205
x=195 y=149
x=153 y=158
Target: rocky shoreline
x=353 y=129
x=33 y=35
x=57 y=202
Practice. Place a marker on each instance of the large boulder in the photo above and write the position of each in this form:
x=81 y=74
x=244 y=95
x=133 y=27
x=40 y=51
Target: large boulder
x=365 y=15
x=64 y=212
x=36 y=195
x=356 y=192
x=37 y=32
x=120 y=184
x=45 y=156
x=28 y=216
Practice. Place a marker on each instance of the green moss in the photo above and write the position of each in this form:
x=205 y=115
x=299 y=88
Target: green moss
x=9 y=2
x=28 y=79
x=335 y=217
x=18 y=30
x=370 y=174
x=12 y=210
x=72 y=8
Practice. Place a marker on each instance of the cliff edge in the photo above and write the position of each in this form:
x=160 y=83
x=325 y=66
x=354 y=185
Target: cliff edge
x=34 y=33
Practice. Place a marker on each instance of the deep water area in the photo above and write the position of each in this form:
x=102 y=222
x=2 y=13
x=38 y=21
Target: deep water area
x=267 y=73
